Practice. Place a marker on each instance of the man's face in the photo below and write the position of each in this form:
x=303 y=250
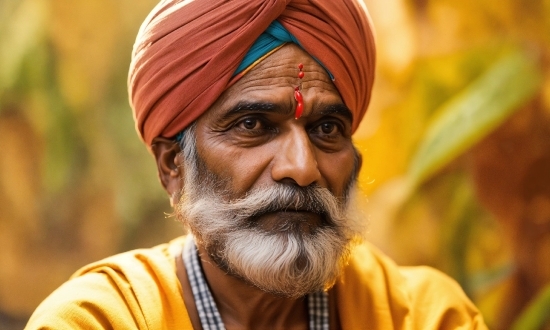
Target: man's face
x=250 y=137
x=266 y=194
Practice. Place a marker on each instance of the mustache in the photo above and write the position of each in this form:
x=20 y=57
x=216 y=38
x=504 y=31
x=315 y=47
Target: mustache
x=289 y=199
x=276 y=198
x=285 y=198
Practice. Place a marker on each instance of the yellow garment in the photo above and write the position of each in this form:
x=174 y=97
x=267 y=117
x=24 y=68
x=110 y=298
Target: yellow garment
x=140 y=290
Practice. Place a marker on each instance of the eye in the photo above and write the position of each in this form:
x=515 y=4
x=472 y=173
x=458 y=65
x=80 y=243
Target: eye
x=327 y=128
x=250 y=124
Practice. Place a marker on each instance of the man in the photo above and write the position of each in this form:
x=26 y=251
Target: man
x=248 y=108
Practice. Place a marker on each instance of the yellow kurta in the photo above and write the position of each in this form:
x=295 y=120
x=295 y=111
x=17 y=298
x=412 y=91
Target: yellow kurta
x=140 y=290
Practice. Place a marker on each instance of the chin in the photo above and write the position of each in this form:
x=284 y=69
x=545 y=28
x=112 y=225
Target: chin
x=289 y=264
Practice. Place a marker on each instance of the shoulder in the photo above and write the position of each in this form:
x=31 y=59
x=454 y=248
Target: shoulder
x=136 y=289
x=403 y=297
x=437 y=301
x=90 y=301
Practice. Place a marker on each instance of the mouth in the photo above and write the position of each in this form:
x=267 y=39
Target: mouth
x=283 y=221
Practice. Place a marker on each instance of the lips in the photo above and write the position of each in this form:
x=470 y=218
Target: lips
x=289 y=221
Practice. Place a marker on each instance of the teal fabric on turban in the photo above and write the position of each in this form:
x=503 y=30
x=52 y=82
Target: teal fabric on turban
x=274 y=36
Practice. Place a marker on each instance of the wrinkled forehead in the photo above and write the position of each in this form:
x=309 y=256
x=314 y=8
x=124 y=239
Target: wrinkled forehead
x=280 y=70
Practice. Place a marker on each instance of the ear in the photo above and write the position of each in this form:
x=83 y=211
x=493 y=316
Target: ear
x=170 y=171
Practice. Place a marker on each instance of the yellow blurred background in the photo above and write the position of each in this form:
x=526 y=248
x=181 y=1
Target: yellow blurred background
x=456 y=147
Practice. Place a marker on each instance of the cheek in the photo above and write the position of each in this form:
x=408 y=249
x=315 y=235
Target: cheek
x=243 y=167
x=336 y=169
x=248 y=169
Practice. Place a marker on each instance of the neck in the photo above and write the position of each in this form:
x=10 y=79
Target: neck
x=240 y=304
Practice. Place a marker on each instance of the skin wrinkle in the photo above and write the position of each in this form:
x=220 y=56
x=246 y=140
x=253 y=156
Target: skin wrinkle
x=315 y=78
x=317 y=73
x=243 y=108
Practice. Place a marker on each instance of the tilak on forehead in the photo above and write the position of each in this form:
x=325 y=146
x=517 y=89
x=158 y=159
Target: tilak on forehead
x=270 y=41
x=187 y=53
x=274 y=37
x=298 y=94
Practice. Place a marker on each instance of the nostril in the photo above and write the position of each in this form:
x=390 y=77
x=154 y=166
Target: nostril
x=289 y=181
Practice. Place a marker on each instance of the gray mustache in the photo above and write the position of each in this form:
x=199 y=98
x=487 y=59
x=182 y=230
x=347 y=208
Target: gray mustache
x=296 y=199
x=286 y=198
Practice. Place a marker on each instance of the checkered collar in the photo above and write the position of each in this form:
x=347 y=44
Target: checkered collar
x=208 y=312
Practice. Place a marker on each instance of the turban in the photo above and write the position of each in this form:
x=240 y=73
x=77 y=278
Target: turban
x=187 y=51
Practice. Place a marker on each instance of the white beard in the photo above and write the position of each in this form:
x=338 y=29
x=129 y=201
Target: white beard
x=287 y=260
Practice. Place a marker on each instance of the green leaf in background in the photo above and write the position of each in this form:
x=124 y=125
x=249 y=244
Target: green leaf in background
x=475 y=112
x=18 y=35
x=536 y=313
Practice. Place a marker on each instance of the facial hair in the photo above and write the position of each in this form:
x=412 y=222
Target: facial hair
x=292 y=258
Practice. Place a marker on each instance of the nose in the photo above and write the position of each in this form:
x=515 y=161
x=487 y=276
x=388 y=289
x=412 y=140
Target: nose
x=296 y=160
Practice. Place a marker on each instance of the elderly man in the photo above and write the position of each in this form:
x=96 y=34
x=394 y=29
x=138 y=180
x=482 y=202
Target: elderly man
x=248 y=107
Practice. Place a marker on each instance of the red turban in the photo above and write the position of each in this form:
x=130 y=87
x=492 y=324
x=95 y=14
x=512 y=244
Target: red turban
x=187 y=51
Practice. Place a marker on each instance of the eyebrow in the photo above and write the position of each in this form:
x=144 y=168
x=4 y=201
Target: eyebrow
x=245 y=107
x=268 y=107
x=336 y=109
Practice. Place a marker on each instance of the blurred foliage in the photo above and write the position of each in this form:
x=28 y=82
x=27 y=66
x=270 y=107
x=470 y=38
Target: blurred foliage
x=462 y=94
x=536 y=314
x=471 y=113
x=456 y=145
x=76 y=184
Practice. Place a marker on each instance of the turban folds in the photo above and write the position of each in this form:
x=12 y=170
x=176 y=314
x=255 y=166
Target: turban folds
x=186 y=52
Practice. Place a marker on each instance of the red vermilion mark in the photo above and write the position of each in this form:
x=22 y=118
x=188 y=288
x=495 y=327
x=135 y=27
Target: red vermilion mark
x=298 y=94
x=299 y=103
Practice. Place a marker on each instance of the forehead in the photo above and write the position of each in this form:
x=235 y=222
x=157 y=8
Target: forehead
x=275 y=77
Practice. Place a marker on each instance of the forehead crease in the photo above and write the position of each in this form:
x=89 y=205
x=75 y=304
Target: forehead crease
x=323 y=85
x=280 y=70
x=272 y=68
x=291 y=70
x=316 y=78
x=286 y=60
x=263 y=82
